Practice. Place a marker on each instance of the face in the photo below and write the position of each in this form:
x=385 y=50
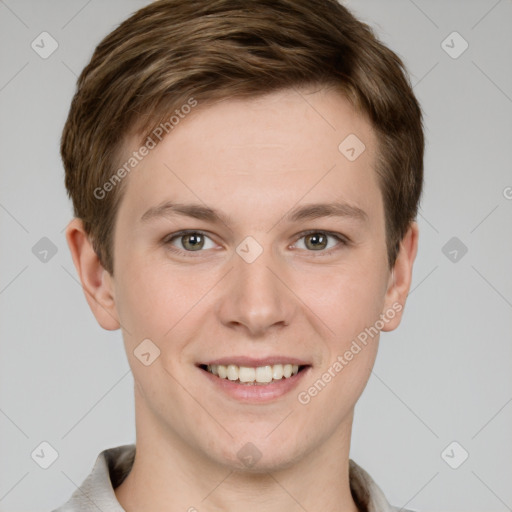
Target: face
x=247 y=244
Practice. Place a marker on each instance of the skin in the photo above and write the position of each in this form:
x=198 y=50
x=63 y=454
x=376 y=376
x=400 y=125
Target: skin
x=253 y=160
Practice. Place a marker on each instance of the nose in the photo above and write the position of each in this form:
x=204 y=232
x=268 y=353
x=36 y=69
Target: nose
x=256 y=300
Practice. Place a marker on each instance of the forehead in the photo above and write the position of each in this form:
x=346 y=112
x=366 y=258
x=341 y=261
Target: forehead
x=271 y=150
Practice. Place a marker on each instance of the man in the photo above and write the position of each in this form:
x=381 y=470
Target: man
x=245 y=176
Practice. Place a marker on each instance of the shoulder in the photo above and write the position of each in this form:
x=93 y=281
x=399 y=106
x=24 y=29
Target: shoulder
x=366 y=493
x=97 y=490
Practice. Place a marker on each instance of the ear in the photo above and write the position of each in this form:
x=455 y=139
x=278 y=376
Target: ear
x=97 y=283
x=399 y=281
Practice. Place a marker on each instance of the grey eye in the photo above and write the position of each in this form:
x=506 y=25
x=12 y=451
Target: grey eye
x=193 y=241
x=316 y=241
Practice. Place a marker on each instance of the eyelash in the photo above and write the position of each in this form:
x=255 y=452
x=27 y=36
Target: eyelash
x=342 y=241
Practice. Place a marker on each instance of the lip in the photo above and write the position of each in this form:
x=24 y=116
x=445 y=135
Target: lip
x=256 y=393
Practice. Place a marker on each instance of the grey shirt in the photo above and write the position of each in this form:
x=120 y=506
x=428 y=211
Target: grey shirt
x=113 y=465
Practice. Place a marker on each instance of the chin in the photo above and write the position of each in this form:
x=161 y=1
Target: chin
x=259 y=455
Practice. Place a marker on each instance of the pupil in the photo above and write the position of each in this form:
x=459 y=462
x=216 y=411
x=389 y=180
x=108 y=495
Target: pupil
x=193 y=240
x=317 y=237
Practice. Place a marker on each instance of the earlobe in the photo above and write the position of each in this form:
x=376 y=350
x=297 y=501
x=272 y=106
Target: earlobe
x=400 y=278
x=97 y=283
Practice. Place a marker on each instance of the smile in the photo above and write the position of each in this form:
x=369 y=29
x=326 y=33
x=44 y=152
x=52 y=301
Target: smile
x=255 y=380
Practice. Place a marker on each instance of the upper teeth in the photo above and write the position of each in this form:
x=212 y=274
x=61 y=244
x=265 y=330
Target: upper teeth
x=262 y=374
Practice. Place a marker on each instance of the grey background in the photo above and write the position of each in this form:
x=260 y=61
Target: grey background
x=443 y=376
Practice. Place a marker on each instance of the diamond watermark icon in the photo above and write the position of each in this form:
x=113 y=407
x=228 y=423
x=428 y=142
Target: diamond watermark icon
x=454 y=250
x=454 y=455
x=44 y=250
x=44 y=455
x=249 y=454
x=44 y=45
x=454 y=45
x=249 y=249
x=351 y=147
x=146 y=352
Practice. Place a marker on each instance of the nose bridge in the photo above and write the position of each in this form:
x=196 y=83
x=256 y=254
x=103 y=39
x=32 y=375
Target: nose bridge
x=256 y=298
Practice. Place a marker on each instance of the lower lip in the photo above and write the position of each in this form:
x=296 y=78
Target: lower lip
x=256 y=393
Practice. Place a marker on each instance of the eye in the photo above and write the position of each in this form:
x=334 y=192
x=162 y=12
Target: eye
x=319 y=241
x=196 y=241
x=190 y=241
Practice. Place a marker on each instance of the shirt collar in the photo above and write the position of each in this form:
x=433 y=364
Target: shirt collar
x=113 y=465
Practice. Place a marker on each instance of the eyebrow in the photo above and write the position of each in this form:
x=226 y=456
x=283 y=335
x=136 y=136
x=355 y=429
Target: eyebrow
x=300 y=213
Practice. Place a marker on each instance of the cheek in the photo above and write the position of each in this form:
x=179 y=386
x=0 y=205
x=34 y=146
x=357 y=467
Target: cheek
x=150 y=293
x=163 y=304
x=349 y=304
x=332 y=393
x=345 y=299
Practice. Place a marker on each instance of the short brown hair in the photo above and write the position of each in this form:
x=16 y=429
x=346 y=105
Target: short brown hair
x=174 y=50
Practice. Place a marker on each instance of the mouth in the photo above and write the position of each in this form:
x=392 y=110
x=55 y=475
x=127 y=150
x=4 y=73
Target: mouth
x=254 y=375
x=255 y=381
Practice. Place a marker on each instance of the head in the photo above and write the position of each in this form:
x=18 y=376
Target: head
x=243 y=108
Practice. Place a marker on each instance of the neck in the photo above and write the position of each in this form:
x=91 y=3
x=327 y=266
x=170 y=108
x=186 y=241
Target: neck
x=170 y=475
